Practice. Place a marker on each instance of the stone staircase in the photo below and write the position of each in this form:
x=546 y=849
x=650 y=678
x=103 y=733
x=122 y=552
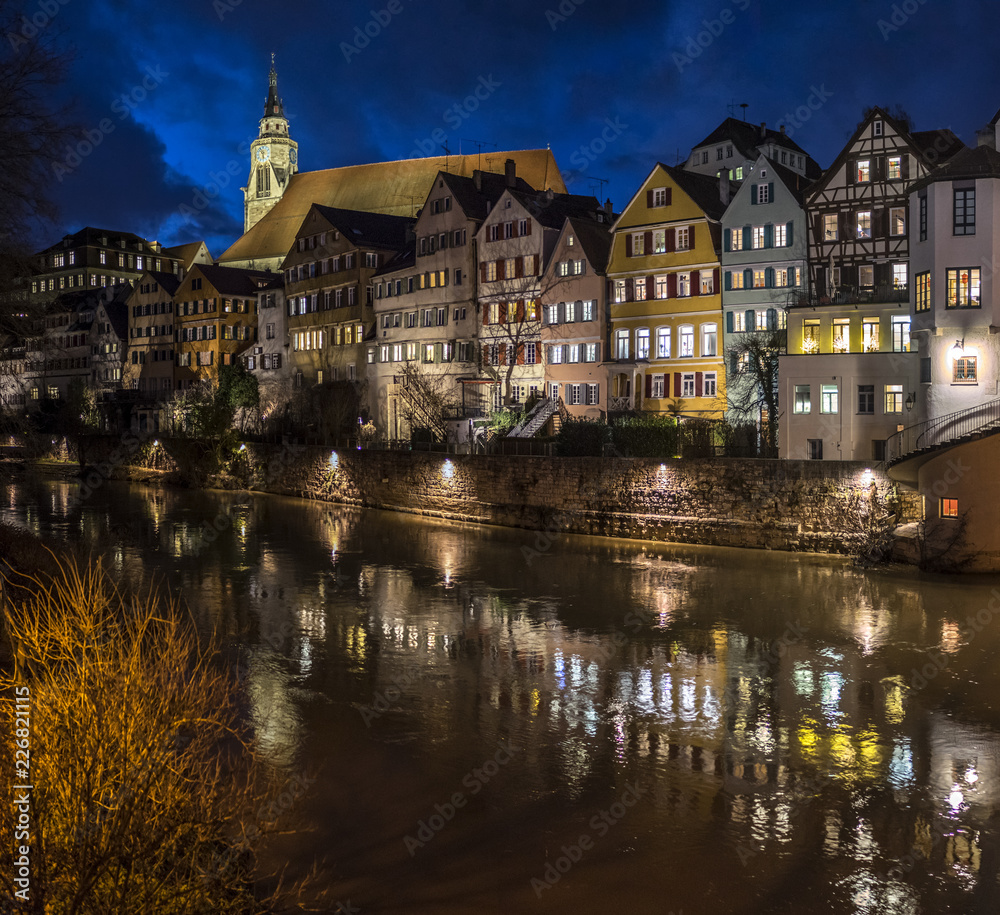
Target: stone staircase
x=535 y=421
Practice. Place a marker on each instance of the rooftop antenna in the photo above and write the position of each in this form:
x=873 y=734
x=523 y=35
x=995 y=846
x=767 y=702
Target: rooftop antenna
x=447 y=153
x=413 y=201
x=744 y=106
x=601 y=182
x=479 y=144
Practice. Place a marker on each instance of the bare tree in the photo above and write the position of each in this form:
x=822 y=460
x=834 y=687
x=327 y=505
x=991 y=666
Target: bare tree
x=752 y=383
x=149 y=794
x=423 y=399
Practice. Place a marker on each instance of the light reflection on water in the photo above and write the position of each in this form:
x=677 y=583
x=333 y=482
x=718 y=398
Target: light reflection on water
x=798 y=746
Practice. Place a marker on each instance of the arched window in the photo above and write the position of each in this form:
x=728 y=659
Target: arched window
x=263 y=181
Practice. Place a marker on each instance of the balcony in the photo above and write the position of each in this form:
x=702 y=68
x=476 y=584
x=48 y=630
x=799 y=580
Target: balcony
x=860 y=295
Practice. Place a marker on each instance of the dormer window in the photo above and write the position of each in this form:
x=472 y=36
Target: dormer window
x=877 y=128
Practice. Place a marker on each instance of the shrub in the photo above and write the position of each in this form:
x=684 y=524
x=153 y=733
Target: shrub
x=582 y=438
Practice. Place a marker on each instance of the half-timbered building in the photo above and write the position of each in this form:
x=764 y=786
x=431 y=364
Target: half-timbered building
x=858 y=212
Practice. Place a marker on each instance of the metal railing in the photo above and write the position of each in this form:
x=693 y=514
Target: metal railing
x=942 y=430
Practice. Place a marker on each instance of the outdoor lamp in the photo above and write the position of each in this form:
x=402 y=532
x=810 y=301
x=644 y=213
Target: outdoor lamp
x=910 y=401
x=958 y=349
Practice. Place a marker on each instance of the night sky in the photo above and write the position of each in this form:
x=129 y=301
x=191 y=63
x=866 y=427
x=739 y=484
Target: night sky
x=612 y=87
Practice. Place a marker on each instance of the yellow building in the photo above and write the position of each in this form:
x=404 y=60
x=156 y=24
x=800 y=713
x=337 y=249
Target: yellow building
x=666 y=297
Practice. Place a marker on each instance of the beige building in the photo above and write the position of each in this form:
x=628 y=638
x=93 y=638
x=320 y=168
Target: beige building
x=329 y=290
x=574 y=333
x=215 y=320
x=423 y=362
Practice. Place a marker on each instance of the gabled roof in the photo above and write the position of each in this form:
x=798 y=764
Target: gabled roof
x=929 y=141
x=552 y=210
x=90 y=236
x=595 y=238
x=971 y=162
x=475 y=202
x=232 y=280
x=361 y=228
x=168 y=281
x=402 y=260
x=117 y=312
x=747 y=137
x=797 y=184
x=186 y=253
x=702 y=189
x=383 y=187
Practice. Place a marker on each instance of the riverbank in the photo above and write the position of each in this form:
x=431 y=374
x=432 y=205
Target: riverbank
x=794 y=506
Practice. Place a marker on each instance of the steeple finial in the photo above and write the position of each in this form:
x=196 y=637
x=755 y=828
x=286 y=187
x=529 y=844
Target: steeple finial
x=273 y=106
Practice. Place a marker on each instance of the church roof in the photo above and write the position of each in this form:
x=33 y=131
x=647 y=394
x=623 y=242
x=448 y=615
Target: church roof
x=397 y=188
x=186 y=254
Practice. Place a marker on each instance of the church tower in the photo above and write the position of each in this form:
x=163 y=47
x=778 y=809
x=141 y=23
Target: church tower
x=274 y=158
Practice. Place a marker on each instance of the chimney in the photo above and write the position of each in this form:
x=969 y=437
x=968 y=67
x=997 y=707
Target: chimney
x=763 y=130
x=477 y=179
x=724 y=186
x=782 y=129
x=986 y=136
x=510 y=171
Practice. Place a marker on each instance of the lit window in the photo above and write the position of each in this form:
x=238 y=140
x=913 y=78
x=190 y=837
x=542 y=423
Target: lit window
x=683 y=284
x=739 y=322
x=894 y=168
x=781 y=236
x=709 y=339
x=866 y=275
x=829 y=399
x=810 y=336
x=830 y=227
x=663 y=343
x=897 y=221
x=660 y=287
x=735 y=279
x=659 y=241
x=963 y=288
x=900 y=334
x=758 y=237
x=642 y=343
x=687 y=385
x=922 y=281
x=949 y=508
x=659 y=197
x=709 y=384
x=707 y=282
x=683 y=236
x=864 y=170
x=865 y=224
x=686 y=340
x=735 y=239
x=657 y=385
x=638 y=244
x=759 y=279
x=841 y=335
x=893 y=398
x=639 y=288
x=619 y=291
x=965 y=370
x=899 y=276
x=621 y=344
x=869 y=335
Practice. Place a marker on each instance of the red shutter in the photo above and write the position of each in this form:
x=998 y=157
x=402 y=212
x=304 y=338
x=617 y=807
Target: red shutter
x=671 y=285
x=670 y=240
x=482 y=272
x=695 y=282
x=486 y=314
x=818 y=227
x=649 y=385
x=501 y=270
x=716 y=280
x=502 y=355
x=519 y=267
x=520 y=354
x=629 y=291
x=691 y=237
x=649 y=200
x=520 y=311
x=628 y=244
x=529 y=227
x=677 y=384
x=669 y=195
x=647 y=242
x=650 y=286
x=697 y=383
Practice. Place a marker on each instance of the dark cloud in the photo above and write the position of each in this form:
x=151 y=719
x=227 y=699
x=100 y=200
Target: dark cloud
x=363 y=83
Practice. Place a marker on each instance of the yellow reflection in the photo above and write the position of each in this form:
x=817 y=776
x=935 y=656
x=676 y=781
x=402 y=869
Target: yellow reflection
x=894 y=711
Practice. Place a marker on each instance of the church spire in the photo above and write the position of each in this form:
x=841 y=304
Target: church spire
x=273 y=107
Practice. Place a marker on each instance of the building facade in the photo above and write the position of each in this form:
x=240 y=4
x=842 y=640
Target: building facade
x=666 y=297
x=574 y=331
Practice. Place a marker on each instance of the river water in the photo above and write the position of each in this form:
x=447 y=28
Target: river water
x=500 y=721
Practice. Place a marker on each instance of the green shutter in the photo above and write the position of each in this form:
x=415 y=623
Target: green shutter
x=770 y=192
x=729 y=318
x=729 y=280
x=748 y=320
x=789 y=238
x=769 y=277
x=768 y=236
x=753 y=194
x=772 y=319
x=725 y=240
